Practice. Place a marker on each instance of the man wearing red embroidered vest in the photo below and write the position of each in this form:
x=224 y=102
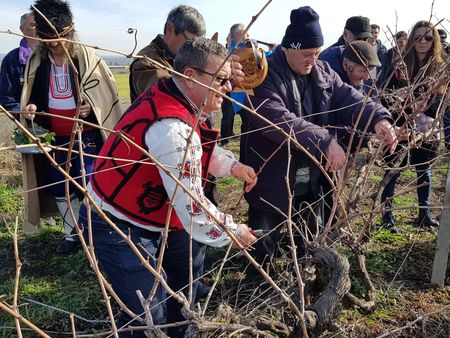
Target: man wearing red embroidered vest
x=136 y=194
x=50 y=86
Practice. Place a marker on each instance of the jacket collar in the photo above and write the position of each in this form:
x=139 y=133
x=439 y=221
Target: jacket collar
x=180 y=91
x=159 y=44
x=319 y=75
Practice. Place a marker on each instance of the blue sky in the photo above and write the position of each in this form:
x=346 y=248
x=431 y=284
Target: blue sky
x=105 y=22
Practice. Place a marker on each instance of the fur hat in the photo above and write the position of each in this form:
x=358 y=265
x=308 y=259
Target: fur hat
x=57 y=12
x=362 y=53
x=304 y=31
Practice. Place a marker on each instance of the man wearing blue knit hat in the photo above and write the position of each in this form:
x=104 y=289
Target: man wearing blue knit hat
x=308 y=100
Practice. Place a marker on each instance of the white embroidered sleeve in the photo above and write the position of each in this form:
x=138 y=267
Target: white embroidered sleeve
x=221 y=162
x=166 y=141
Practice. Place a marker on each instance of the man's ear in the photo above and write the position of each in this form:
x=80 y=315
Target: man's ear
x=345 y=64
x=345 y=35
x=189 y=72
x=170 y=30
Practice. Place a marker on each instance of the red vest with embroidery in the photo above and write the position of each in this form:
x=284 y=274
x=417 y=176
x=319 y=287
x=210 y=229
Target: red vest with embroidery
x=127 y=179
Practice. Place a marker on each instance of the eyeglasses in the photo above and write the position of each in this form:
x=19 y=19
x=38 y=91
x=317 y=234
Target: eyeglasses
x=427 y=38
x=222 y=80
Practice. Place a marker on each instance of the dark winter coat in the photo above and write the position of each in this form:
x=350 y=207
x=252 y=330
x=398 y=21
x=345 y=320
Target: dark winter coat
x=328 y=105
x=143 y=73
x=335 y=57
x=382 y=54
x=11 y=81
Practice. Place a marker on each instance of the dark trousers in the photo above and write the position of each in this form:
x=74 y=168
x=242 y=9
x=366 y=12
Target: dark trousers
x=446 y=121
x=311 y=210
x=421 y=159
x=126 y=273
x=91 y=144
x=227 y=122
x=243 y=141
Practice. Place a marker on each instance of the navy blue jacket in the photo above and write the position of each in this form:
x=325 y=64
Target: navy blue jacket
x=11 y=81
x=329 y=106
x=335 y=56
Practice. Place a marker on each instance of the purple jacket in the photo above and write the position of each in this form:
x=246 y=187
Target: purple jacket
x=330 y=108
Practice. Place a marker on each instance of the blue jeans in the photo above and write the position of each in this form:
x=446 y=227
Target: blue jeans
x=420 y=158
x=126 y=273
x=423 y=188
x=92 y=142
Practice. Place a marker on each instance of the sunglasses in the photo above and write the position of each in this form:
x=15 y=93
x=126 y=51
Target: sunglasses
x=222 y=80
x=427 y=38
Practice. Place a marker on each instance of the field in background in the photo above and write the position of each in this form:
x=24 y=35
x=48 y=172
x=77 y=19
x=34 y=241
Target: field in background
x=123 y=85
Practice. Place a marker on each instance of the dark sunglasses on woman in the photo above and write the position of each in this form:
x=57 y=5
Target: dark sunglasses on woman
x=427 y=38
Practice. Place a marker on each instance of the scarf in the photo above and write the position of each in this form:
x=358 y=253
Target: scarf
x=24 y=51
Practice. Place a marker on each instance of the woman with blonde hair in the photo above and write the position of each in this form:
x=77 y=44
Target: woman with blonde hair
x=417 y=94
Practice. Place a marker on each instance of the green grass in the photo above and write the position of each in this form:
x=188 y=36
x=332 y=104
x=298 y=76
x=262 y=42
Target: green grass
x=404 y=201
x=375 y=178
x=10 y=201
x=64 y=282
x=75 y=294
x=123 y=86
x=223 y=184
x=412 y=176
x=386 y=237
x=409 y=173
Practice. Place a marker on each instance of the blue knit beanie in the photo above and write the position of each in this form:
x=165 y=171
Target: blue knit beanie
x=304 y=31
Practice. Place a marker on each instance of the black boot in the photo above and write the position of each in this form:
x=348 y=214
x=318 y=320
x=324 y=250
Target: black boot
x=388 y=223
x=68 y=246
x=426 y=219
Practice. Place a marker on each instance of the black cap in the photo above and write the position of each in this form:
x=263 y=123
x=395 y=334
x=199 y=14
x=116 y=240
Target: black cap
x=442 y=34
x=362 y=53
x=304 y=32
x=359 y=26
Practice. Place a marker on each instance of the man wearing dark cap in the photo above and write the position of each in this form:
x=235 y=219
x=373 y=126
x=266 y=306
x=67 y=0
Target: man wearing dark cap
x=356 y=28
x=359 y=59
x=309 y=101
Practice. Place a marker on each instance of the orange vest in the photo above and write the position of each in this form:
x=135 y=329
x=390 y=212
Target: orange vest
x=134 y=187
